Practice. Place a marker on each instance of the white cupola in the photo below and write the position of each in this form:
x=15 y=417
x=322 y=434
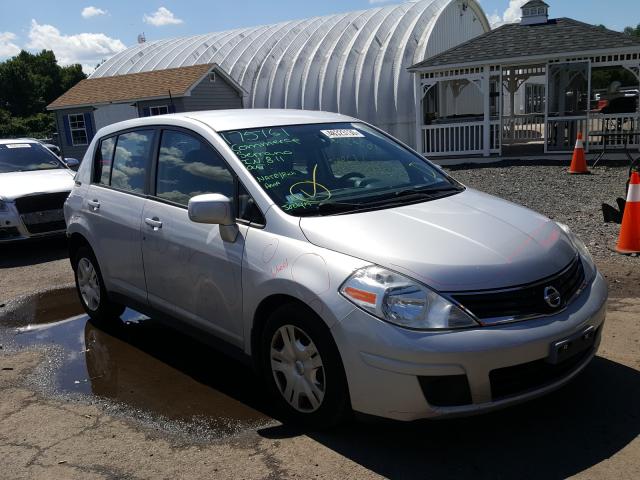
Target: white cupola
x=535 y=12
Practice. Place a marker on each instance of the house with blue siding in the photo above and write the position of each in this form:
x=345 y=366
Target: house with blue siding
x=97 y=102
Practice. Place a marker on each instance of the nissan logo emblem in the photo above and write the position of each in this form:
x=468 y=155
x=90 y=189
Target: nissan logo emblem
x=552 y=297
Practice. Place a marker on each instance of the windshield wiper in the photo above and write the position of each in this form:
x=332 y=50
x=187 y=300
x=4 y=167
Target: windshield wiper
x=391 y=199
x=428 y=190
x=328 y=208
x=417 y=193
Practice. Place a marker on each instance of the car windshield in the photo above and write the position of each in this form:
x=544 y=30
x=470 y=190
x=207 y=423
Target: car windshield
x=335 y=168
x=26 y=157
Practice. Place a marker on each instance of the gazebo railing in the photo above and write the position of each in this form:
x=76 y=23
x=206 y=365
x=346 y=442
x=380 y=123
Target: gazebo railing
x=528 y=127
x=562 y=131
x=464 y=138
x=615 y=123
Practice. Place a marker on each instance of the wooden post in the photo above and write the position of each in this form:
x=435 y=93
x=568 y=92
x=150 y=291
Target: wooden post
x=486 y=90
x=546 y=107
x=419 y=145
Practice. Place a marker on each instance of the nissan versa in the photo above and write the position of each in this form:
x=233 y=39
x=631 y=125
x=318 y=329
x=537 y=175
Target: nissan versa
x=355 y=274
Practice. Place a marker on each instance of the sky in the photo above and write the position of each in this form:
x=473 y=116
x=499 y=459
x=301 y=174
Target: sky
x=87 y=32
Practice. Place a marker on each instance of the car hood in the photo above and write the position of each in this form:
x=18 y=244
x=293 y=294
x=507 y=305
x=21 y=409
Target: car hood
x=468 y=241
x=18 y=184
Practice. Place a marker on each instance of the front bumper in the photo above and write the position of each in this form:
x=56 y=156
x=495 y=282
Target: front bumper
x=386 y=366
x=13 y=228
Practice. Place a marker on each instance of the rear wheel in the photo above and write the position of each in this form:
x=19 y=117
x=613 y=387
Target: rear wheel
x=90 y=286
x=302 y=368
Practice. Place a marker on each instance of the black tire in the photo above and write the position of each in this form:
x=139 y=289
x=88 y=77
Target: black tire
x=104 y=309
x=335 y=406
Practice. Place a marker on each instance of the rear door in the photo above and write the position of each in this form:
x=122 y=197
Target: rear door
x=114 y=205
x=191 y=272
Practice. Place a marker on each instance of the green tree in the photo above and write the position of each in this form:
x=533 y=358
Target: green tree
x=28 y=82
x=634 y=32
x=69 y=76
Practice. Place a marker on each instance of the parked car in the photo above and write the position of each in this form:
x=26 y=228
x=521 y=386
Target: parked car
x=34 y=183
x=352 y=272
x=72 y=163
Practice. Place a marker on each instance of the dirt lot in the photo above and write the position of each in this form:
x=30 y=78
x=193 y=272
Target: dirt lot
x=134 y=401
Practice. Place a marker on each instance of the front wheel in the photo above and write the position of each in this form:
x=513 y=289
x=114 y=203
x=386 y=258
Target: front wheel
x=90 y=286
x=302 y=368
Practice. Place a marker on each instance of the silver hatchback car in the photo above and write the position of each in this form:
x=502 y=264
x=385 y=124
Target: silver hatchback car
x=353 y=273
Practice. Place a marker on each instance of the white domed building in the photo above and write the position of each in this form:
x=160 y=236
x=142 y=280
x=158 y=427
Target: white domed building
x=352 y=63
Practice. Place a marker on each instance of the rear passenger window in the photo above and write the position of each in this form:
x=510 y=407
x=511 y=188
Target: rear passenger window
x=103 y=161
x=130 y=160
x=188 y=167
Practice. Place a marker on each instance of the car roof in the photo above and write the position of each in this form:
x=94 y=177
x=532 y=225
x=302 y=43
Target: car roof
x=223 y=120
x=4 y=141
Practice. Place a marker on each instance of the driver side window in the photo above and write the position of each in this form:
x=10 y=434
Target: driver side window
x=187 y=167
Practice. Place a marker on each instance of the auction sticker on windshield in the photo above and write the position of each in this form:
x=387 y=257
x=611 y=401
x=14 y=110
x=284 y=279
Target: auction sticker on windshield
x=342 y=133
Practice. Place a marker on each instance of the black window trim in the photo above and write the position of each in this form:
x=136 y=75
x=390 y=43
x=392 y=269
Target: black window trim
x=153 y=175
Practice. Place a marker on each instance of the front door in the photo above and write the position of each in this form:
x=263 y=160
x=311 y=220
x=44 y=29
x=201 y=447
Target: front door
x=113 y=208
x=191 y=272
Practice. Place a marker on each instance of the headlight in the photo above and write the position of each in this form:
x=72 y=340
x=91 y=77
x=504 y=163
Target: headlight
x=577 y=243
x=402 y=301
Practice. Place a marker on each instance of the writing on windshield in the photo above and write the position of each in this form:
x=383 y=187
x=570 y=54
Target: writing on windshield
x=258 y=149
x=303 y=167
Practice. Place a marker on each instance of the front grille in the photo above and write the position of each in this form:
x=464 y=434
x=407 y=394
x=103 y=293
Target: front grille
x=519 y=379
x=7 y=233
x=527 y=300
x=42 y=213
x=42 y=202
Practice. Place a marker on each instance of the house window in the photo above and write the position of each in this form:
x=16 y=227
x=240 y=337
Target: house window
x=78 y=130
x=159 y=110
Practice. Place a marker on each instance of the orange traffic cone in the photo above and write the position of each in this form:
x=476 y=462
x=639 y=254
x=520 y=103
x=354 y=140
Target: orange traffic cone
x=629 y=240
x=579 y=162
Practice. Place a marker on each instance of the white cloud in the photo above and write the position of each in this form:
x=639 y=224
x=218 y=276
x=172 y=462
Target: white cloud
x=511 y=15
x=162 y=16
x=88 y=12
x=84 y=48
x=495 y=20
x=7 y=47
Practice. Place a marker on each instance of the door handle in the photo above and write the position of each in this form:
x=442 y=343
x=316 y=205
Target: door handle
x=154 y=223
x=94 y=204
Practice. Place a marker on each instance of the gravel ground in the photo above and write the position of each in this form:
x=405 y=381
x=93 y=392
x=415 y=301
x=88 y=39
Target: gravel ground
x=33 y=266
x=571 y=199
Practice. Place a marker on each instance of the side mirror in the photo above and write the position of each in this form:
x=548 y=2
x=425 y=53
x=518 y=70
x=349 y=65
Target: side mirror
x=215 y=209
x=72 y=163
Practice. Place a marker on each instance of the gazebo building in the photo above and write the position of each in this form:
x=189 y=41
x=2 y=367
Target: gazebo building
x=529 y=88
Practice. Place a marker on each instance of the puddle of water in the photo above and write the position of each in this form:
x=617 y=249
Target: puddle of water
x=43 y=308
x=142 y=364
